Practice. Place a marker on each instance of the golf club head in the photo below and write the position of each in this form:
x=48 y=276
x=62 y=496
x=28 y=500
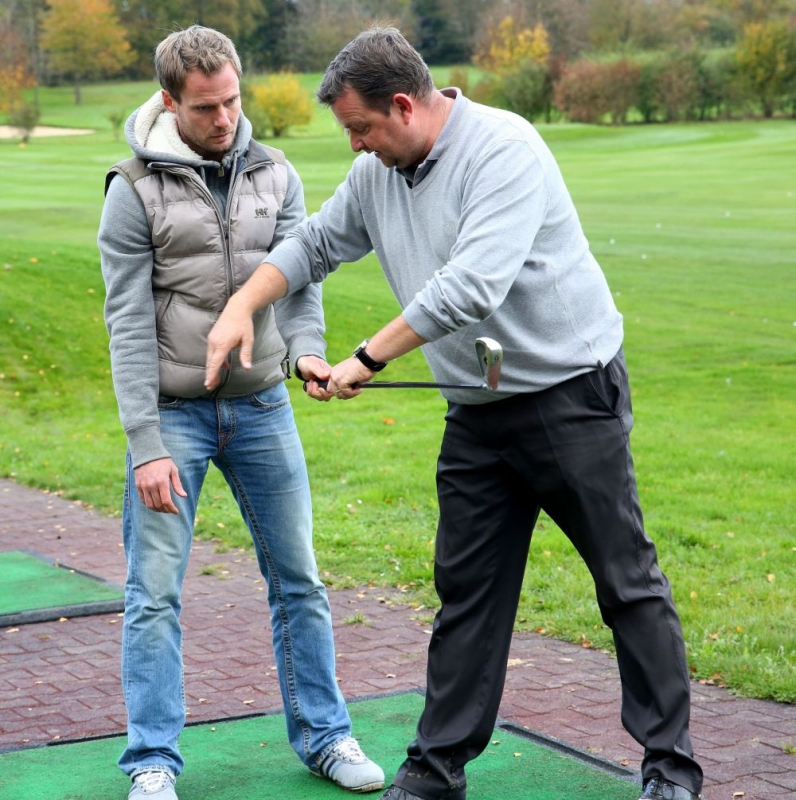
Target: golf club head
x=490 y=360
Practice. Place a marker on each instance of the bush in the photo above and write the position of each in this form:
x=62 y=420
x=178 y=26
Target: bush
x=648 y=101
x=678 y=86
x=621 y=86
x=278 y=105
x=117 y=119
x=526 y=90
x=580 y=92
x=24 y=117
x=489 y=91
x=720 y=89
x=459 y=78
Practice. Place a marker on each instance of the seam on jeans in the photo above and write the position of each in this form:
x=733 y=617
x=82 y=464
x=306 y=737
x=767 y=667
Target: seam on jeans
x=276 y=585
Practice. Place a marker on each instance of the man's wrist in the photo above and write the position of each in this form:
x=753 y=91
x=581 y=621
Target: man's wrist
x=361 y=354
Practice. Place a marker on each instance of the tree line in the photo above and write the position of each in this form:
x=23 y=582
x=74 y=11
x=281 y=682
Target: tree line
x=584 y=60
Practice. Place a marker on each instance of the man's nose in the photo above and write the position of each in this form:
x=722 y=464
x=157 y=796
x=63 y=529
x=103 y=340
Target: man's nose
x=356 y=142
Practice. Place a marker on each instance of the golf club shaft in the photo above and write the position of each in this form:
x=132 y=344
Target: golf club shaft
x=406 y=385
x=490 y=359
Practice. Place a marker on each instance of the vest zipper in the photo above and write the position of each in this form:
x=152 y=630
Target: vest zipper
x=225 y=226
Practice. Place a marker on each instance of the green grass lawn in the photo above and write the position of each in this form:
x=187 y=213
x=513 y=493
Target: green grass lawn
x=695 y=226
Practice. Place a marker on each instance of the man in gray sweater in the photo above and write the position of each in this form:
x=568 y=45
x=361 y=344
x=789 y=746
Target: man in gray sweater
x=468 y=213
x=185 y=223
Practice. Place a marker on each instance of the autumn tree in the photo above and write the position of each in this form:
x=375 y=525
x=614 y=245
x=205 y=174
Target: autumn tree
x=507 y=45
x=84 y=40
x=16 y=71
x=764 y=58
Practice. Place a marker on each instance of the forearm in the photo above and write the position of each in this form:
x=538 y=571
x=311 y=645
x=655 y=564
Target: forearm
x=266 y=285
x=393 y=341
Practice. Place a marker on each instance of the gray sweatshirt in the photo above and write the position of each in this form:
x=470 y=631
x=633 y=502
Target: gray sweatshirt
x=125 y=243
x=486 y=243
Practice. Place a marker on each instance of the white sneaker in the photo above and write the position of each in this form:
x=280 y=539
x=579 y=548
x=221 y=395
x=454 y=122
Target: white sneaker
x=154 y=783
x=350 y=768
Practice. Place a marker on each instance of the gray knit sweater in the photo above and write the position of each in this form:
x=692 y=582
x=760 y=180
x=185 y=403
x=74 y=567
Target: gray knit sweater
x=488 y=243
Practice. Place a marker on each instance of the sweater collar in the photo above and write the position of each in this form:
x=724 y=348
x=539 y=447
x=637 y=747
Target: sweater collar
x=413 y=175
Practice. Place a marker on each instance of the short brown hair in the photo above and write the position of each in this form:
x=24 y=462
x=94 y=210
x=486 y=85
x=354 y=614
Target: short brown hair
x=193 y=48
x=378 y=64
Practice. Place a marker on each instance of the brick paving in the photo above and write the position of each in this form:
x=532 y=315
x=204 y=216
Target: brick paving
x=59 y=680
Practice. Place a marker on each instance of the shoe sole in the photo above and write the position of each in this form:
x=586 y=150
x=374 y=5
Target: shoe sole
x=367 y=787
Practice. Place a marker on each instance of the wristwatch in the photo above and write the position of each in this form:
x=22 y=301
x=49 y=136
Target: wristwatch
x=362 y=354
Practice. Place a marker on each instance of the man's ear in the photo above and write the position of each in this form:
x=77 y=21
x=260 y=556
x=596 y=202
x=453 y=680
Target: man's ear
x=168 y=101
x=405 y=105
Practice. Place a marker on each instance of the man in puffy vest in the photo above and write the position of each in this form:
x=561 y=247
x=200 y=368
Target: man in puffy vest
x=185 y=223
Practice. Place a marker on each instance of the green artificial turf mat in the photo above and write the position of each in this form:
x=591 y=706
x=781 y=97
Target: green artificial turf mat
x=249 y=759
x=33 y=589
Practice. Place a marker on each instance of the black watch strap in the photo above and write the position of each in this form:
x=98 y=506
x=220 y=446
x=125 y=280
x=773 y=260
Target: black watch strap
x=362 y=354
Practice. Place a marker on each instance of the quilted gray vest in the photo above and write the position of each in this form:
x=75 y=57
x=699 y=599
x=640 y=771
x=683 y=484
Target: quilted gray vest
x=200 y=259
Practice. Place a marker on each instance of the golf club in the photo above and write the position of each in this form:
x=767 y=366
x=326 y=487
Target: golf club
x=490 y=359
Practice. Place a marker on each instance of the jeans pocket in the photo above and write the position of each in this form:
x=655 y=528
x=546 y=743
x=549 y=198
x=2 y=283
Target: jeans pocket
x=166 y=402
x=270 y=399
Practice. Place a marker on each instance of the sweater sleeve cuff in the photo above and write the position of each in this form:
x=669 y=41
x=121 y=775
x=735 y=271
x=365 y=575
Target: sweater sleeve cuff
x=421 y=323
x=306 y=346
x=146 y=445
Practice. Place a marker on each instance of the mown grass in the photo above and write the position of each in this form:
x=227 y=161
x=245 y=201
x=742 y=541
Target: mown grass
x=694 y=226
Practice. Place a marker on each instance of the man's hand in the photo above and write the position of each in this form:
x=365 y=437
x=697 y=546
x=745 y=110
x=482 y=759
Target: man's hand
x=233 y=328
x=346 y=377
x=313 y=370
x=154 y=482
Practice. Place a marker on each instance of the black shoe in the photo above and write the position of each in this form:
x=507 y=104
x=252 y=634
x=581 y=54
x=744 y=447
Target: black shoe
x=658 y=789
x=397 y=793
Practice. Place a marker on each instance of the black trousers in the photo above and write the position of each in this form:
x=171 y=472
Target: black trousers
x=565 y=450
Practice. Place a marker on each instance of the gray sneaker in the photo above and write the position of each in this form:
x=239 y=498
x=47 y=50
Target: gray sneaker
x=157 y=784
x=350 y=768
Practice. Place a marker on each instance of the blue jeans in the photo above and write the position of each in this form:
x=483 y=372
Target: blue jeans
x=254 y=442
